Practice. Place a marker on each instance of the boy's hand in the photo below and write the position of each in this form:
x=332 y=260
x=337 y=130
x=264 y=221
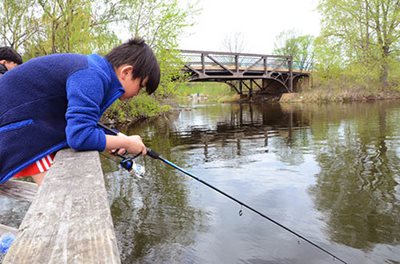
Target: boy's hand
x=135 y=145
x=120 y=151
x=121 y=142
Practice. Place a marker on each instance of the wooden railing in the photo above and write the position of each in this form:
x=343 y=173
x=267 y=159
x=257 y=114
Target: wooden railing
x=69 y=220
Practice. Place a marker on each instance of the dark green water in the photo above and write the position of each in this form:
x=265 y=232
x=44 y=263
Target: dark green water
x=330 y=173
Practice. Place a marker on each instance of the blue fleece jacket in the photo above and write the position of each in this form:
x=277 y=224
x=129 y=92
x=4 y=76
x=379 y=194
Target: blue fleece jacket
x=50 y=103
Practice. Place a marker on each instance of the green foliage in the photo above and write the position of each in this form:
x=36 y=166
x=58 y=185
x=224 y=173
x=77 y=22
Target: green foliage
x=18 y=22
x=299 y=47
x=328 y=57
x=171 y=77
x=160 y=22
x=41 y=27
x=140 y=107
x=213 y=91
x=363 y=34
x=75 y=26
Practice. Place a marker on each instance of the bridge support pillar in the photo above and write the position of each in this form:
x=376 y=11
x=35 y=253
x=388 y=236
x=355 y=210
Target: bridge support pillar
x=272 y=86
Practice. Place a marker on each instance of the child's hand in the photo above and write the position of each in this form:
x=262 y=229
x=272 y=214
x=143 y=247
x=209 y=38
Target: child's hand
x=132 y=144
x=135 y=145
x=120 y=151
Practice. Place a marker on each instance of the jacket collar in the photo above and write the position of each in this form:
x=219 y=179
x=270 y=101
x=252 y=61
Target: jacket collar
x=3 y=69
x=115 y=83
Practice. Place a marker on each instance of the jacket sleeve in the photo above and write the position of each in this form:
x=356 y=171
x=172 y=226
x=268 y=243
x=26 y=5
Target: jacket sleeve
x=85 y=93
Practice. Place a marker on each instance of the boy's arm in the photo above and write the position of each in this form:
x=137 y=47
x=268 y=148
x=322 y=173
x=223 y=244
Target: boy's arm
x=85 y=92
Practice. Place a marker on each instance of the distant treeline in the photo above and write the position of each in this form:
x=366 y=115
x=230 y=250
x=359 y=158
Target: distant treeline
x=358 y=46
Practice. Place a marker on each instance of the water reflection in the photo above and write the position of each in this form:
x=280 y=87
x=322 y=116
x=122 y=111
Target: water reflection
x=329 y=171
x=151 y=212
x=357 y=188
x=12 y=211
x=221 y=129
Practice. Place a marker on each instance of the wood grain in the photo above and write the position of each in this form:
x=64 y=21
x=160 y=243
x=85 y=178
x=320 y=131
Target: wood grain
x=70 y=220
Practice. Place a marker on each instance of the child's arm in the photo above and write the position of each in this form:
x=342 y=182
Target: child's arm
x=132 y=144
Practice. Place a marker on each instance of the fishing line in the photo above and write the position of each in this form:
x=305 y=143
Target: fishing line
x=155 y=155
x=107 y=157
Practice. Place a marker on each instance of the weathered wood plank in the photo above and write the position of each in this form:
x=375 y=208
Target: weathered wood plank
x=20 y=190
x=70 y=220
x=7 y=229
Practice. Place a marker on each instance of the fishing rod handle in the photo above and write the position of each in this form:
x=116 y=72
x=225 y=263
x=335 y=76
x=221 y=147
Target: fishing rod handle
x=152 y=153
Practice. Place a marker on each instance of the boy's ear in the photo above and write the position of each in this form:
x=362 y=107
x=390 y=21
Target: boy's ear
x=125 y=71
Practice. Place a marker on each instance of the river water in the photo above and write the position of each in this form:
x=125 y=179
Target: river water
x=328 y=172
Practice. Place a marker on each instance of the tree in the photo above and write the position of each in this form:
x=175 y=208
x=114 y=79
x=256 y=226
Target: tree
x=18 y=22
x=234 y=43
x=73 y=26
x=368 y=31
x=299 y=47
x=160 y=22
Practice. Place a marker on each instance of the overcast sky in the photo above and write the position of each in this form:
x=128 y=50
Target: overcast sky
x=258 y=21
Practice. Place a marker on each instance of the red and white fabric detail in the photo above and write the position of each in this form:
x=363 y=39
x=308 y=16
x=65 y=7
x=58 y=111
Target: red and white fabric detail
x=39 y=166
x=44 y=164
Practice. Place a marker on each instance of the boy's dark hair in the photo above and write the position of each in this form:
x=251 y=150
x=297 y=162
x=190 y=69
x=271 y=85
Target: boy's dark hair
x=9 y=54
x=137 y=53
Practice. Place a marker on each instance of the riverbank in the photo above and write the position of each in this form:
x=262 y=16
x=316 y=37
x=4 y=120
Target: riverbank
x=323 y=96
x=221 y=93
x=142 y=107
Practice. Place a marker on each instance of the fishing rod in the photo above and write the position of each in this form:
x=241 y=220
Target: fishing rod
x=153 y=154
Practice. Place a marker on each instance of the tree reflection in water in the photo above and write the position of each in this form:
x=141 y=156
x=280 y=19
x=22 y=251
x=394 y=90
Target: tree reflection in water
x=356 y=188
x=152 y=212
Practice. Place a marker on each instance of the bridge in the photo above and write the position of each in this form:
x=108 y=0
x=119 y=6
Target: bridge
x=271 y=74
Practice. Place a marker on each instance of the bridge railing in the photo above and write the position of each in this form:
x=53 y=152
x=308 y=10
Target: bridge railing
x=235 y=62
x=242 y=61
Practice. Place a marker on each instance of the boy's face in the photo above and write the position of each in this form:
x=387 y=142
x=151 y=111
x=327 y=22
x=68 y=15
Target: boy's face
x=131 y=86
x=9 y=64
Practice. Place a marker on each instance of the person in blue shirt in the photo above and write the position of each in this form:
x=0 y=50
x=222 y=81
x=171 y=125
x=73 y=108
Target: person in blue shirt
x=9 y=59
x=55 y=101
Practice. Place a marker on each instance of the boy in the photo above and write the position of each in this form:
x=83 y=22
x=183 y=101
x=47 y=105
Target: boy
x=9 y=59
x=55 y=101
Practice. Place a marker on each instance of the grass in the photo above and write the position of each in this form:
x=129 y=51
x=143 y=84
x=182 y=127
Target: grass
x=215 y=92
x=343 y=89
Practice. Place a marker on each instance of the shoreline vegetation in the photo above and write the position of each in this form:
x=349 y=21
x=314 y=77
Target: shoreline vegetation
x=343 y=96
x=342 y=89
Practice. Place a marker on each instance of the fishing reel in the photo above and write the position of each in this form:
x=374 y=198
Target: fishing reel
x=130 y=165
x=126 y=163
